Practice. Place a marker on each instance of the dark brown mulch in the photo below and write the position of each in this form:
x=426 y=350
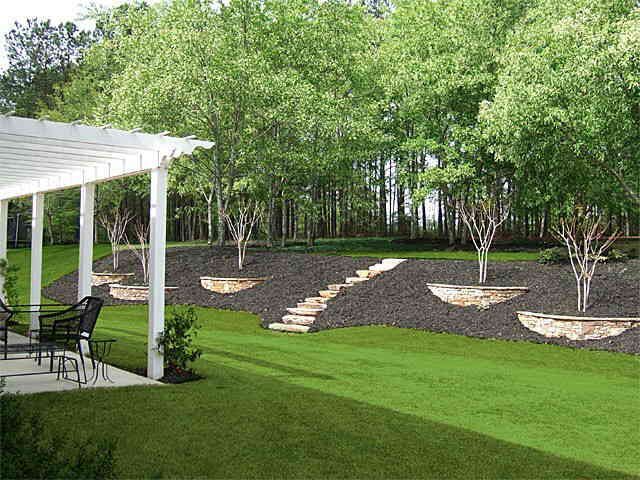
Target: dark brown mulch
x=399 y=297
x=293 y=278
x=173 y=376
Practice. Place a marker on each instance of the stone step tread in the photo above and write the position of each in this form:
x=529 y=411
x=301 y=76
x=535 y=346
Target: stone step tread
x=364 y=273
x=318 y=300
x=288 y=327
x=356 y=279
x=339 y=286
x=321 y=306
x=397 y=261
x=298 y=320
x=305 y=311
x=380 y=267
x=328 y=293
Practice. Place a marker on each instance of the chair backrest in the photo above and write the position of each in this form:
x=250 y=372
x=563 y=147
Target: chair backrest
x=91 y=307
x=5 y=314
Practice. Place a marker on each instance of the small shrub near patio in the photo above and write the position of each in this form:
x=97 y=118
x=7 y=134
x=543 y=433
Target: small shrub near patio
x=177 y=341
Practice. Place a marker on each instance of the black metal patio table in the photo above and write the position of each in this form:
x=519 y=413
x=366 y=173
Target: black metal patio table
x=101 y=348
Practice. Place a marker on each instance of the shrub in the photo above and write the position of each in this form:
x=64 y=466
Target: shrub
x=10 y=274
x=177 y=340
x=29 y=451
x=553 y=255
x=616 y=255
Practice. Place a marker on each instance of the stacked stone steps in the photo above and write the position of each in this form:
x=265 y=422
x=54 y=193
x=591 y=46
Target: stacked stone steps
x=328 y=293
x=356 y=279
x=322 y=306
x=288 y=327
x=300 y=318
x=365 y=274
x=318 y=300
x=311 y=312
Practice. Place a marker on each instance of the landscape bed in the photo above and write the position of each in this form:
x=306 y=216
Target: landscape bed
x=398 y=298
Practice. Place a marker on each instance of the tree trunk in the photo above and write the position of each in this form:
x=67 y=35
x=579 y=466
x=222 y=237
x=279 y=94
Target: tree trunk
x=285 y=221
x=220 y=205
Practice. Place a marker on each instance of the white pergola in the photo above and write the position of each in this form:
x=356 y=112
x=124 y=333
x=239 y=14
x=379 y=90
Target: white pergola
x=40 y=156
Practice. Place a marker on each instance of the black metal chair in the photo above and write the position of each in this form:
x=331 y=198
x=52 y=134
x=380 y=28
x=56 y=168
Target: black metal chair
x=6 y=314
x=72 y=325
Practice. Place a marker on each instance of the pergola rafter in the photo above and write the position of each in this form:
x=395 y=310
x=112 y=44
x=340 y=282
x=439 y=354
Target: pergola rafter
x=40 y=156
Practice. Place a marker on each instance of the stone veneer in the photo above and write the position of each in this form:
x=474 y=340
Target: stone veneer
x=230 y=285
x=464 y=295
x=132 y=292
x=104 y=278
x=576 y=328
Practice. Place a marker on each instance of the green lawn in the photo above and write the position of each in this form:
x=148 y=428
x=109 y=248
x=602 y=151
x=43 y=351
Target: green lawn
x=362 y=402
x=385 y=247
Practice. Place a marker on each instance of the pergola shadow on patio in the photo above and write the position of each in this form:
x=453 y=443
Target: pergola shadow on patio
x=40 y=156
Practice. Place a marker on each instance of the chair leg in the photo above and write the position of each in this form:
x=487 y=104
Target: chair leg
x=93 y=360
x=84 y=368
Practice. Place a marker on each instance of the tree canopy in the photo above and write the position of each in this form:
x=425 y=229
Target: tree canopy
x=342 y=118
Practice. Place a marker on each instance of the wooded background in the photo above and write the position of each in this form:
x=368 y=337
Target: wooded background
x=344 y=118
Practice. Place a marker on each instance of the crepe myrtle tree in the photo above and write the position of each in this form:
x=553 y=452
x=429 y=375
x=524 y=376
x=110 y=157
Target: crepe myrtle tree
x=482 y=218
x=241 y=223
x=584 y=235
x=141 y=248
x=115 y=224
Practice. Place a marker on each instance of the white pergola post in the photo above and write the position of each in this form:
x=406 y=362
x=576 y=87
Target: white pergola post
x=87 y=200
x=37 y=222
x=4 y=216
x=158 y=222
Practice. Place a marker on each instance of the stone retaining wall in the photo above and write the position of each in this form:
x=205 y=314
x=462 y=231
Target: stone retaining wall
x=230 y=285
x=132 y=292
x=465 y=295
x=105 y=278
x=576 y=328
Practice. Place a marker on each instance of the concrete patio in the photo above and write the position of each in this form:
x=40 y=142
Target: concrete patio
x=47 y=382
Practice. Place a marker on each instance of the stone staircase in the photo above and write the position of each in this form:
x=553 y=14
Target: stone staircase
x=300 y=318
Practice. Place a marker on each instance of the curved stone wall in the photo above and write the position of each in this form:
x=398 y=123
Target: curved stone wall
x=230 y=285
x=132 y=292
x=576 y=328
x=481 y=296
x=105 y=278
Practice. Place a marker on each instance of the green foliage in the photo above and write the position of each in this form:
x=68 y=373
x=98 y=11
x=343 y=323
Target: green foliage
x=553 y=255
x=176 y=342
x=40 y=55
x=616 y=255
x=565 y=110
x=9 y=272
x=31 y=451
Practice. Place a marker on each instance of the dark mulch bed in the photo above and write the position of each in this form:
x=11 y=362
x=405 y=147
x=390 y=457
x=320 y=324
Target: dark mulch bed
x=294 y=277
x=173 y=376
x=399 y=297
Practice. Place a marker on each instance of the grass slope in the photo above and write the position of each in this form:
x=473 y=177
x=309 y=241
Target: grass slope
x=366 y=402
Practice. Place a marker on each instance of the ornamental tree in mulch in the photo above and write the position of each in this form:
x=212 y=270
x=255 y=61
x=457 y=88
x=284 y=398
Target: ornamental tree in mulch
x=584 y=235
